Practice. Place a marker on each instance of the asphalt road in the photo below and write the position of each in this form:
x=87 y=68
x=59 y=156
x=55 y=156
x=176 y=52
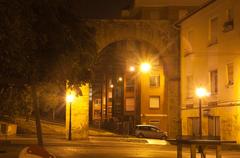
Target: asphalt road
x=113 y=149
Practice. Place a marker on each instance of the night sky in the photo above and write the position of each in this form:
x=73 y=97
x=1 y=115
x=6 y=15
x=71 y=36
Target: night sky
x=99 y=8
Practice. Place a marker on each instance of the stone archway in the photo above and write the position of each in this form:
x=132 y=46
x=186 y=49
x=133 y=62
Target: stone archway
x=163 y=38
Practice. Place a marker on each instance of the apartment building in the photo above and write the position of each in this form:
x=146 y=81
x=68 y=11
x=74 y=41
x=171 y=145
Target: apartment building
x=210 y=58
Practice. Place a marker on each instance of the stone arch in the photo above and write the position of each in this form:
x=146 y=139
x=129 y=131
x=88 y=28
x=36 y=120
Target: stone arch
x=161 y=36
x=138 y=48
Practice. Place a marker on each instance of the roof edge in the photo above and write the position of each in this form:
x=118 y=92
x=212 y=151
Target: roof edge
x=178 y=23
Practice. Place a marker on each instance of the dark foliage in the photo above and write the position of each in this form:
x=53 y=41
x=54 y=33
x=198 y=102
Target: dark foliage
x=41 y=41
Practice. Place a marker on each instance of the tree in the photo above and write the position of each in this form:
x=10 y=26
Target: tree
x=43 y=41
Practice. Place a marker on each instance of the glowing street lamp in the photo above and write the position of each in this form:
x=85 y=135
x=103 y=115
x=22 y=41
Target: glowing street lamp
x=120 y=79
x=201 y=93
x=111 y=86
x=145 y=67
x=69 y=99
x=132 y=68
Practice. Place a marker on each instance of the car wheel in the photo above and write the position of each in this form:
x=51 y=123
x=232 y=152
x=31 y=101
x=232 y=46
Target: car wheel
x=140 y=135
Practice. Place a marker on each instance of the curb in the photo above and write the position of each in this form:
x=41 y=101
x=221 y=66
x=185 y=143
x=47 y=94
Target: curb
x=62 y=142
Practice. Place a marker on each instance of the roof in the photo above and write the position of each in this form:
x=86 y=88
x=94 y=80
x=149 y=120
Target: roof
x=178 y=23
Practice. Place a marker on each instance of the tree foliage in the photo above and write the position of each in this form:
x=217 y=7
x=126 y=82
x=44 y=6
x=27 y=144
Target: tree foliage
x=42 y=41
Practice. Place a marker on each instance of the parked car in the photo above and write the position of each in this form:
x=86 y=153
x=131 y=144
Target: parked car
x=149 y=131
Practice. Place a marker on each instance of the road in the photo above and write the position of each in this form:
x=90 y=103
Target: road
x=112 y=149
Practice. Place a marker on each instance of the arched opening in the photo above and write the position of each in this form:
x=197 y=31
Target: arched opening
x=123 y=95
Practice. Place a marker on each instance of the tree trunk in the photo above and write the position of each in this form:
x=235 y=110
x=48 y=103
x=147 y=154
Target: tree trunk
x=37 y=115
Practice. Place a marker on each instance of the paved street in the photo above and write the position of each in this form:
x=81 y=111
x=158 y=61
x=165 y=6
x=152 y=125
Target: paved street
x=112 y=148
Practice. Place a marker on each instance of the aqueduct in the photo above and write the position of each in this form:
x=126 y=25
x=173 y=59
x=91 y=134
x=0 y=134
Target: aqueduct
x=164 y=38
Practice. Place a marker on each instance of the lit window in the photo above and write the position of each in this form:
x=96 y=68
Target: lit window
x=154 y=81
x=230 y=74
x=213 y=32
x=130 y=104
x=154 y=102
x=214 y=81
x=98 y=101
x=110 y=96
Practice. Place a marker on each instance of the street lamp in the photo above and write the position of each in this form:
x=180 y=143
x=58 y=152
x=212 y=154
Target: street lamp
x=69 y=100
x=145 y=67
x=120 y=79
x=201 y=93
x=131 y=68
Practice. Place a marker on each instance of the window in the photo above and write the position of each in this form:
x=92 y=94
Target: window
x=154 y=102
x=229 y=23
x=154 y=81
x=98 y=101
x=189 y=87
x=130 y=85
x=213 y=125
x=213 y=31
x=193 y=126
x=214 y=81
x=130 y=104
x=230 y=74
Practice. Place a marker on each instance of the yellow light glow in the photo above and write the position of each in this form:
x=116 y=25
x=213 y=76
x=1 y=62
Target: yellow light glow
x=70 y=98
x=202 y=92
x=111 y=86
x=120 y=79
x=132 y=68
x=145 y=67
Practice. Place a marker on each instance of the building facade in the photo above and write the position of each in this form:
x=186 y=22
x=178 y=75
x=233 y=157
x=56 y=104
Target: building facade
x=127 y=96
x=210 y=58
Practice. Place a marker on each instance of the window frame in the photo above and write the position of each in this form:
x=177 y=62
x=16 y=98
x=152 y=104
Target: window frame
x=214 y=92
x=133 y=106
x=159 y=102
x=229 y=82
x=210 y=31
x=156 y=84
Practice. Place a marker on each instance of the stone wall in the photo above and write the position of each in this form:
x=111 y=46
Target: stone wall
x=80 y=106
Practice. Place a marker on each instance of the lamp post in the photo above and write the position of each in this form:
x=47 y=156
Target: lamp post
x=201 y=92
x=69 y=100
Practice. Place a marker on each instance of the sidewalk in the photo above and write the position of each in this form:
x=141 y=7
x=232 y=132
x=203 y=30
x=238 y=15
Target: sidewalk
x=61 y=140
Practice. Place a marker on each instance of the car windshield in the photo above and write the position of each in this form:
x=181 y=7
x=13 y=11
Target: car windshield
x=154 y=129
